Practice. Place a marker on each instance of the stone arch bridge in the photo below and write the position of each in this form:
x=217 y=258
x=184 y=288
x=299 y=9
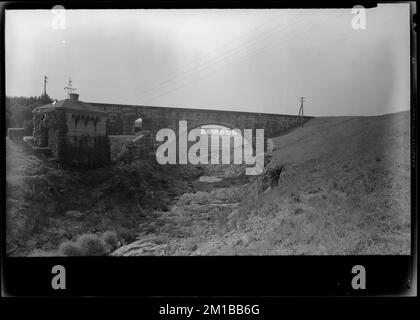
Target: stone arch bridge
x=121 y=119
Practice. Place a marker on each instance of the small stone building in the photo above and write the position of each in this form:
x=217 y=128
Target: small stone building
x=74 y=130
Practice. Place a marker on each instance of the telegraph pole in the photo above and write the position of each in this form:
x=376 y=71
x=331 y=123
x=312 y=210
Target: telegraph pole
x=300 y=115
x=45 y=85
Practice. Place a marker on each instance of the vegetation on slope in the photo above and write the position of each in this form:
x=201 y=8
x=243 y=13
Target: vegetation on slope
x=336 y=186
x=47 y=205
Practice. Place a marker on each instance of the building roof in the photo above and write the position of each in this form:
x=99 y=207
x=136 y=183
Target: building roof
x=71 y=105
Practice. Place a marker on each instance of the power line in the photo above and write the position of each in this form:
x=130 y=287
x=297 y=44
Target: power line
x=173 y=76
x=210 y=61
x=259 y=50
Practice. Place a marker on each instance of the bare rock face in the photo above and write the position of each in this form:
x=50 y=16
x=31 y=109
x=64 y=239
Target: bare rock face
x=141 y=248
x=188 y=225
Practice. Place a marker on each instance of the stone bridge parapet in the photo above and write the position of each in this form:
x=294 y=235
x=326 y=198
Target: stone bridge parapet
x=121 y=119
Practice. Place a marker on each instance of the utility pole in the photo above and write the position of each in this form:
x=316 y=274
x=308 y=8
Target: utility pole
x=45 y=85
x=69 y=88
x=300 y=115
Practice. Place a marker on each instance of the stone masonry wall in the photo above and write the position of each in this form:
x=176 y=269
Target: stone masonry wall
x=122 y=117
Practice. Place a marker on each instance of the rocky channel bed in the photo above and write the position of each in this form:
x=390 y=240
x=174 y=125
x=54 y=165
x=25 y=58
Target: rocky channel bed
x=196 y=222
x=188 y=227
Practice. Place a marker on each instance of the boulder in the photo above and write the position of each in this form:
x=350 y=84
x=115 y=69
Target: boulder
x=74 y=214
x=245 y=240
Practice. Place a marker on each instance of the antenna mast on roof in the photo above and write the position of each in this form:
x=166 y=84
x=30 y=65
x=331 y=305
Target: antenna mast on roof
x=45 y=85
x=69 y=88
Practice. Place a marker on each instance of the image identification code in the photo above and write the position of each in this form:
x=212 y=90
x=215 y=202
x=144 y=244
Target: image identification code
x=219 y=309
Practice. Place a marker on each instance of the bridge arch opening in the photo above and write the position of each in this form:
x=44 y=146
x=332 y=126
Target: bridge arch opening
x=224 y=142
x=138 y=125
x=205 y=144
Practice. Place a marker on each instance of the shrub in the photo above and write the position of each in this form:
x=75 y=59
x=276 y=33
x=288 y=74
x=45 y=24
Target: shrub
x=110 y=237
x=93 y=219
x=70 y=248
x=126 y=221
x=92 y=245
x=126 y=234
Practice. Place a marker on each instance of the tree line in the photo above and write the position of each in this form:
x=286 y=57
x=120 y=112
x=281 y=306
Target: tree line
x=19 y=111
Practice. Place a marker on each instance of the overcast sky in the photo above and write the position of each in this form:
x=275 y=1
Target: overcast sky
x=243 y=60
